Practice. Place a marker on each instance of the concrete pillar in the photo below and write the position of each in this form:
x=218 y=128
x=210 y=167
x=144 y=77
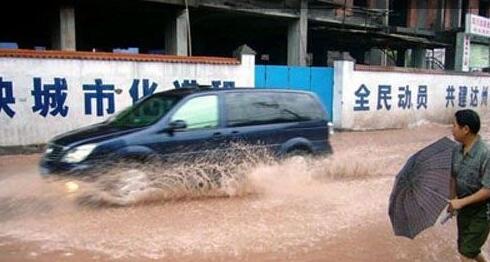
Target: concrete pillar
x=247 y=60
x=440 y=15
x=64 y=29
x=342 y=79
x=418 y=58
x=243 y=50
x=176 y=35
x=298 y=37
x=376 y=56
x=462 y=52
x=458 y=14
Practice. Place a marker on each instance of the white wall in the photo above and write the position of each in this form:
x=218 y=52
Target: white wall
x=28 y=127
x=347 y=81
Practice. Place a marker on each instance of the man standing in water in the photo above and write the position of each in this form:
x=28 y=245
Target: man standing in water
x=470 y=185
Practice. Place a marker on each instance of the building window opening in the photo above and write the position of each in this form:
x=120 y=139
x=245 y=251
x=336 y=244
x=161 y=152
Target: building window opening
x=398 y=13
x=361 y=3
x=484 y=8
x=130 y=28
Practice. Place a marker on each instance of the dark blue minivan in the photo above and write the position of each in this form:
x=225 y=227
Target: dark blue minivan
x=195 y=121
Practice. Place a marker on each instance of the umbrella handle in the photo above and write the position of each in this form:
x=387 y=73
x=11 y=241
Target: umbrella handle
x=448 y=216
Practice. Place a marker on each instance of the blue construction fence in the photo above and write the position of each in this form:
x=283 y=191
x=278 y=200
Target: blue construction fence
x=318 y=80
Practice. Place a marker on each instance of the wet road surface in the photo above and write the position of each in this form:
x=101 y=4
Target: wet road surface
x=328 y=209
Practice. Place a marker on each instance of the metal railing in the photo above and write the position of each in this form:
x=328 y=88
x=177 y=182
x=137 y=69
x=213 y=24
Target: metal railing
x=434 y=63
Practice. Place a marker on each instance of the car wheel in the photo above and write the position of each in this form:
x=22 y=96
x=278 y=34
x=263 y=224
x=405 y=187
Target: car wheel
x=298 y=152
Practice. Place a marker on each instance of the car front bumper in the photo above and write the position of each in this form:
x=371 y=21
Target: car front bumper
x=49 y=167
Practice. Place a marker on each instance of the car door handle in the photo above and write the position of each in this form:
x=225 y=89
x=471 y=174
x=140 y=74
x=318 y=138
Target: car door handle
x=235 y=132
x=217 y=135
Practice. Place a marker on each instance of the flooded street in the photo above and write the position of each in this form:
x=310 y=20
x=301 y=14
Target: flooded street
x=328 y=209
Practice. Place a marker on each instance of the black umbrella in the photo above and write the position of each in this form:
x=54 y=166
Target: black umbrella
x=421 y=189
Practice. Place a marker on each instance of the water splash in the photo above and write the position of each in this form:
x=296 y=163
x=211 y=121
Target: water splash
x=233 y=173
x=215 y=174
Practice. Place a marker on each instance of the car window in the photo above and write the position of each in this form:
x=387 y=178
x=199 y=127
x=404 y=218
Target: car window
x=302 y=107
x=145 y=112
x=269 y=108
x=199 y=112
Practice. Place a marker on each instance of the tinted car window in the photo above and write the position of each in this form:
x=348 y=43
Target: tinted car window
x=299 y=107
x=144 y=113
x=269 y=108
x=199 y=112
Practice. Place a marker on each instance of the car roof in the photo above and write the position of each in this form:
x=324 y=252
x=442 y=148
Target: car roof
x=188 y=91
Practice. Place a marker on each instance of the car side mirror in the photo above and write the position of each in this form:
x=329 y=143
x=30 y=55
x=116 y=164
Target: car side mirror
x=177 y=124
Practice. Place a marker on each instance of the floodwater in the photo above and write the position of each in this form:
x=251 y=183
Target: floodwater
x=326 y=209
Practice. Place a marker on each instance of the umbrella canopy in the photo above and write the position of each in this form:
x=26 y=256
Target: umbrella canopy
x=421 y=189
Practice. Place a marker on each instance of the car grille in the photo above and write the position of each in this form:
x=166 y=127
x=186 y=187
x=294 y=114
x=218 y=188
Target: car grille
x=56 y=152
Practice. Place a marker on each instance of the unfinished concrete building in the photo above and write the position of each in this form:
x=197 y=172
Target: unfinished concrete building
x=410 y=33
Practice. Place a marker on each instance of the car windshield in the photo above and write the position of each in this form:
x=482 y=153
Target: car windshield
x=145 y=112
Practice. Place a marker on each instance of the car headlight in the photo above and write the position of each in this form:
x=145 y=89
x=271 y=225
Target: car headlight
x=48 y=151
x=78 y=154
